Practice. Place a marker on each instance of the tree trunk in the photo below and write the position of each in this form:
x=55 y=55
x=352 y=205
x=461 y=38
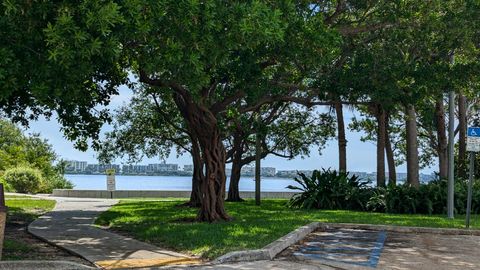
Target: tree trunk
x=233 y=189
x=392 y=171
x=442 y=144
x=196 y=177
x=342 y=141
x=381 y=138
x=462 y=140
x=412 y=148
x=203 y=125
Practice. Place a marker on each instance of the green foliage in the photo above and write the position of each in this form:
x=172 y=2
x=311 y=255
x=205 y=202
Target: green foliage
x=70 y=79
x=149 y=126
x=429 y=198
x=331 y=190
x=24 y=179
x=30 y=152
x=328 y=189
x=377 y=202
x=56 y=181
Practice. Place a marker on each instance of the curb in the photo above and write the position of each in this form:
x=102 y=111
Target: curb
x=400 y=229
x=43 y=265
x=271 y=250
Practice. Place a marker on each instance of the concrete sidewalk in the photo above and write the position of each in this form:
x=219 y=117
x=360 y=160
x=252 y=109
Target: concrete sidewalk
x=69 y=226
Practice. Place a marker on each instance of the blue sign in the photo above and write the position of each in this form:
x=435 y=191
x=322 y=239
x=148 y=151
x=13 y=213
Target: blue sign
x=473 y=132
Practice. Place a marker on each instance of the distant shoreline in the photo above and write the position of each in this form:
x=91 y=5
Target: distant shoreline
x=180 y=174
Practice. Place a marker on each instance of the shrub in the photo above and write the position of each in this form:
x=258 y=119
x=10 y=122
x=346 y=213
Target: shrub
x=331 y=190
x=56 y=181
x=328 y=189
x=378 y=201
x=24 y=179
x=430 y=198
x=427 y=199
x=6 y=186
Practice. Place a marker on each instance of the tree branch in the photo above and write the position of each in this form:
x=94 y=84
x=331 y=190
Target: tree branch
x=166 y=117
x=222 y=105
x=144 y=78
x=341 y=7
x=353 y=31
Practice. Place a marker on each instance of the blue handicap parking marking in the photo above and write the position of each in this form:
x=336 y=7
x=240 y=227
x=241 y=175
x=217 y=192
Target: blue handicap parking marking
x=377 y=250
x=473 y=132
x=355 y=247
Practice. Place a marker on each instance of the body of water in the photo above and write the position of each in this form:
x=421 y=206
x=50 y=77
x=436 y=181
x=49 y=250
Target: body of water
x=145 y=182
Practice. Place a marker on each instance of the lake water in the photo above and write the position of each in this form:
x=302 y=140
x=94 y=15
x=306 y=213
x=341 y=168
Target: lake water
x=143 y=182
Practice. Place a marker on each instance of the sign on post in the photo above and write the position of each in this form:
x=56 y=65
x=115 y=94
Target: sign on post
x=473 y=146
x=473 y=139
x=110 y=179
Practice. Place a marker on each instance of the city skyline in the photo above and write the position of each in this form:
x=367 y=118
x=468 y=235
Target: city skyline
x=79 y=167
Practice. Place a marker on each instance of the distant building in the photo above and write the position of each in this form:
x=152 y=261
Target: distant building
x=248 y=171
x=93 y=168
x=267 y=171
x=264 y=171
x=134 y=169
x=76 y=166
x=162 y=167
x=293 y=173
x=101 y=168
x=188 y=168
x=284 y=173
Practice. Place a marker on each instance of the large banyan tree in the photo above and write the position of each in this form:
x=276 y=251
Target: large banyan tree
x=206 y=55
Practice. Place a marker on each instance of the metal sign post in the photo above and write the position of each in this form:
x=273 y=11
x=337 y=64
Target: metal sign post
x=258 y=153
x=473 y=146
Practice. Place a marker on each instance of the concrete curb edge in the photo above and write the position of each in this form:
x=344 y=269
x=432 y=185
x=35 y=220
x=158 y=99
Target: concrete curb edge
x=271 y=250
x=400 y=229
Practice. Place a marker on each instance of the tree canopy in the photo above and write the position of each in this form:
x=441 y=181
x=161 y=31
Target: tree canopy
x=209 y=62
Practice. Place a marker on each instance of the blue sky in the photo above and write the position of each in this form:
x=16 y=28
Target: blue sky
x=361 y=155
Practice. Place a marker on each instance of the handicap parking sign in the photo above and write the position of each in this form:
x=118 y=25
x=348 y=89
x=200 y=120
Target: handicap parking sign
x=473 y=139
x=473 y=132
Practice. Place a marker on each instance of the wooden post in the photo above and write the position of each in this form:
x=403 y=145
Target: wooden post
x=3 y=218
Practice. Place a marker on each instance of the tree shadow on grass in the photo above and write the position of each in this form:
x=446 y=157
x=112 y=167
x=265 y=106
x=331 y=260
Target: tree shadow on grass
x=19 y=216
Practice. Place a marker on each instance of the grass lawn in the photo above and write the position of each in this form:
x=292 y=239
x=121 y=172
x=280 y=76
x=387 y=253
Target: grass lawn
x=26 y=208
x=164 y=224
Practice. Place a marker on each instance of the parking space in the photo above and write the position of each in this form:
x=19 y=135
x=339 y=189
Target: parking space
x=370 y=249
